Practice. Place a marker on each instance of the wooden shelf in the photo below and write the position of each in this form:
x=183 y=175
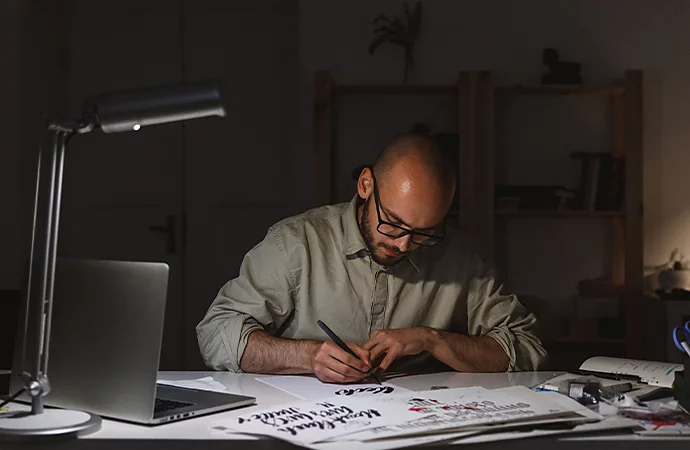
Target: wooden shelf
x=382 y=89
x=586 y=341
x=556 y=214
x=558 y=89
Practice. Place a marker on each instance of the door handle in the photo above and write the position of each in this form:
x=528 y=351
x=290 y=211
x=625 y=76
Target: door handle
x=169 y=229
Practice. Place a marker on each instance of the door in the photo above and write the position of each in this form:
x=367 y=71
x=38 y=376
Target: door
x=122 y=192
x=238 y=171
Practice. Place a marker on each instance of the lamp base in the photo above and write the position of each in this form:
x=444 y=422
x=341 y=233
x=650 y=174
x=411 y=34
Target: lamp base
x=52 y=424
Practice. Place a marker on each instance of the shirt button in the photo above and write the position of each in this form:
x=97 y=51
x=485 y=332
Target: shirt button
x=378 y=309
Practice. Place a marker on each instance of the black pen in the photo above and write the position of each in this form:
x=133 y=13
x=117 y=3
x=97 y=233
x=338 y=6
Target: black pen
x=344 y=346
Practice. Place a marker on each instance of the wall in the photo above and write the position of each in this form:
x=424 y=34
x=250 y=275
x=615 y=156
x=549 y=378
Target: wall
x=10 y=131
x=507 y=38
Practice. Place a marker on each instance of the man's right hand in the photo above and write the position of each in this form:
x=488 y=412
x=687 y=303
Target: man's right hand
x=331 y=364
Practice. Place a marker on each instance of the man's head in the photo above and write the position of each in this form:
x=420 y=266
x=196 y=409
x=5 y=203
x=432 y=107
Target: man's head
x=411 y=187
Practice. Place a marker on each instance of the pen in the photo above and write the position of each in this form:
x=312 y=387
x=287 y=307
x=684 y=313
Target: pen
x=344 y=346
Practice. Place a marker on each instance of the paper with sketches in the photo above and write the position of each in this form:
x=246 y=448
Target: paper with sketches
x=401 y=442
x=651 y=372
x=609 y=425
x=311 y=388
x=306 y=422
x=411 y=413
x=202 y=384
x=501 y=432
x=463 y=409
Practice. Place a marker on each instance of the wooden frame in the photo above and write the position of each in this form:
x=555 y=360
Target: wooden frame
x=626 y=225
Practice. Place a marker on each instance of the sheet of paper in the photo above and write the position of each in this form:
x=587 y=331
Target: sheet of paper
x=463 y=408
x=306 y=422
x=311 y=388
x=398 y=415
x=202 y=384
x=663 y=428
x=500 y=432
x=651 y=372
x=386 y=444
x=621 y=425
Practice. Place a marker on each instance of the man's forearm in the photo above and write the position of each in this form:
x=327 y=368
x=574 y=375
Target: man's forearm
x=467 y=353
x=267 y=354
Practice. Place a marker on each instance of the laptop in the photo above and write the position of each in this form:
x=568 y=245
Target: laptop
x=105 y=346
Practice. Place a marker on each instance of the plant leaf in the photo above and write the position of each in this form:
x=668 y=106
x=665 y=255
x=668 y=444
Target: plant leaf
x=381 y=18
x=384 y=29
x=398 y=26
x=377 y=43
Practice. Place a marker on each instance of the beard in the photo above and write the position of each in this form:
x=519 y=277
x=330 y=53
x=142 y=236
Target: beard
x=376 y=249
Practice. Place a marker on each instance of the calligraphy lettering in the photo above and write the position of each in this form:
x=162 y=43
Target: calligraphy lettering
x=372 y=390
x=330 y=423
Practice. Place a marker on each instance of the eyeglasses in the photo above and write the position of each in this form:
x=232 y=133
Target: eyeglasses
x=396 y=231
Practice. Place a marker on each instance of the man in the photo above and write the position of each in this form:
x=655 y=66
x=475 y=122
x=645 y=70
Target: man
x=384 y=272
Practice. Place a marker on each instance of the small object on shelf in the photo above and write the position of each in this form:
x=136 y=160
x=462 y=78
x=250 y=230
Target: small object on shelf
x=534 y=198
x=560 y=72
x=674 y=280
x=601 y=181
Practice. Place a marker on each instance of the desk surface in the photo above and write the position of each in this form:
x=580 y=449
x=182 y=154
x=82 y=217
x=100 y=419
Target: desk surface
x=188 y=433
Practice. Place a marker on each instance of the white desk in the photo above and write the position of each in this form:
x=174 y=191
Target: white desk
x=188 y=434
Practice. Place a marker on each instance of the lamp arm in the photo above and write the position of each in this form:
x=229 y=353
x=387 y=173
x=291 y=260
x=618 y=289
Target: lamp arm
x=61 y=139
x=41 y=276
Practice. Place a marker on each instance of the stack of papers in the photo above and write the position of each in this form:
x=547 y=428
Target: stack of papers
x=378 y=420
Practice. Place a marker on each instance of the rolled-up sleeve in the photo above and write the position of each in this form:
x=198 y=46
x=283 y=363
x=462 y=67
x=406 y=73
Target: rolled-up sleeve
x=504 y=318
x=258 y=299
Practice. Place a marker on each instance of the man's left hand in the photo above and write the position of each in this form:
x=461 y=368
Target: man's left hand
x=397 y=342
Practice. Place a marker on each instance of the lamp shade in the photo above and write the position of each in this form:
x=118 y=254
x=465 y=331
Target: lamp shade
x=130 y=110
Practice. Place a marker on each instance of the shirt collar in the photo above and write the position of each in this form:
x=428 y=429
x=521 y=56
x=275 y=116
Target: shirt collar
x=354 y=242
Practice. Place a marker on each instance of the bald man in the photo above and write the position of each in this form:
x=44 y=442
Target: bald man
x=384 y=272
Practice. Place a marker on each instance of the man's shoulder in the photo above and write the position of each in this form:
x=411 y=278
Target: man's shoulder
x=321 y=219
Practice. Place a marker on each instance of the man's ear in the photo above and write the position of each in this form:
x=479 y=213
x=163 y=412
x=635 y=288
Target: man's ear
x=365 y=183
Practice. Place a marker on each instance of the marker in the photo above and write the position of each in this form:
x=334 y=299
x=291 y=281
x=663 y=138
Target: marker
x=545 y=389
x=344 y=346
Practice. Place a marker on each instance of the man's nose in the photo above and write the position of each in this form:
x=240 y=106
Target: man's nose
x=404 y=242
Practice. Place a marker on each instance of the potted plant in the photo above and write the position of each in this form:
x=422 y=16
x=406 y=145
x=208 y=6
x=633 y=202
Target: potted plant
x=399 y=32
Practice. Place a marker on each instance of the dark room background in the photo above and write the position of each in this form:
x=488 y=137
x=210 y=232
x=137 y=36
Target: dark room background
x=221 y=183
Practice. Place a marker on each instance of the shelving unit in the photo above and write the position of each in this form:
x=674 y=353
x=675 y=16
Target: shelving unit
x=558 y=214
x=476 y=95
x=626 y=272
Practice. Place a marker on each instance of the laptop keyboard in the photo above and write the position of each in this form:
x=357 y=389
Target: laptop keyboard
x=163 y=405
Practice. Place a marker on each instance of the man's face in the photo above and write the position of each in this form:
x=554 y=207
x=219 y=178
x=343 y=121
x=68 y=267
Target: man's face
x=383 y=250
x=386 y=233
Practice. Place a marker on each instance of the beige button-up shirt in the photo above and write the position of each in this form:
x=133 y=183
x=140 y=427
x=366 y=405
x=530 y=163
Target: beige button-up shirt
x=316 y=266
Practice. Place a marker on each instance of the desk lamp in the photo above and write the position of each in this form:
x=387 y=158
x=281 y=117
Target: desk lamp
x=112 y=113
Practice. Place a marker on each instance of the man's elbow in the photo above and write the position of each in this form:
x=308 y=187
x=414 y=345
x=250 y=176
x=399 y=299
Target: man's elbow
x=213 y=349
x=530 y=354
